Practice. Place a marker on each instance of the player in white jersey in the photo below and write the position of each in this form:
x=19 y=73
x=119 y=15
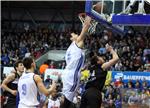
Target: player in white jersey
x=29 y=84
x=53 y=101
x=74 y=60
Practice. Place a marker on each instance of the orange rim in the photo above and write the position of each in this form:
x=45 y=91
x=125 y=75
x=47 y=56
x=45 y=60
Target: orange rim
x=83 y=15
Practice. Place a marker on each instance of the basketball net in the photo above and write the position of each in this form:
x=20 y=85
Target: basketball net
x=93 y=23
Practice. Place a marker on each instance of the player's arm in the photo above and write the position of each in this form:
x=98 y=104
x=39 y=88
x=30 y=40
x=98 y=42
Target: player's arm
x=7 y=80
x=62 y=98
x=45 y=104
x=114 y=59
x=41 y=86
x=85 y=28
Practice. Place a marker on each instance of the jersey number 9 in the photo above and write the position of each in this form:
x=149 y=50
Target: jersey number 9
x=24 y=89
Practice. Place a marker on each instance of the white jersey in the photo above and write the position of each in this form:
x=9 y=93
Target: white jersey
x=71 y=76
x=53 y=104
x=28 y=91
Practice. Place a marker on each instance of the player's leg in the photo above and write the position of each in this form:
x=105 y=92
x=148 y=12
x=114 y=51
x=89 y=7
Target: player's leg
x=83 y=100
x=69 y=90
x=66 y=103
x=91 y=99
x=17 y=100
x=11 y=103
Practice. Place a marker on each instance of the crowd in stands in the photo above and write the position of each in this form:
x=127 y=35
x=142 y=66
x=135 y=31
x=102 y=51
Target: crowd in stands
x=130 y=94
x=33 y=42
x=130 y=49
x=117 y=94
x=133 y=49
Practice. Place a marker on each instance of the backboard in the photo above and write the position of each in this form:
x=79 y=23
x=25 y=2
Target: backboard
x=116 y=14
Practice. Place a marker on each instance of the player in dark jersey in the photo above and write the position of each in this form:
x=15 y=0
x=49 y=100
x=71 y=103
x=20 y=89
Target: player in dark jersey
x=92 y=98
x=10 y=84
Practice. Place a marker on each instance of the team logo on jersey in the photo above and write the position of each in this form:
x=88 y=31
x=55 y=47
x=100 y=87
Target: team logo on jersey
x=68 y=56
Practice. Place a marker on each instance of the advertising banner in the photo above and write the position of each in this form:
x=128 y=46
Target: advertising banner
x=127 y=75
x=53 y=73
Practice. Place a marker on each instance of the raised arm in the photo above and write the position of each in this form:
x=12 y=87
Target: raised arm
x=85 y=28
x=113 y=61
x=80 y=39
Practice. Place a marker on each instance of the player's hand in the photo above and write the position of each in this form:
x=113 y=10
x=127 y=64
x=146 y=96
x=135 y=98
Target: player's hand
x=108 y=48
x=53 y=86
x=62 y=99
x=14 y=92
x=87 y=20
x=13 y=71
x=74 y=35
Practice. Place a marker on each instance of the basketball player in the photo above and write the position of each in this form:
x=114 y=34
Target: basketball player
x=29 y=84
x=92 y=98
x=10 y=84
x=74 y=60
x=53 y=101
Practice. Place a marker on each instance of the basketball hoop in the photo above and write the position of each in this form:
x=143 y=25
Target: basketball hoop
x=93 y=24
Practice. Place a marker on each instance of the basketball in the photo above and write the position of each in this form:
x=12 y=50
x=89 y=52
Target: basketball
x=98 y=6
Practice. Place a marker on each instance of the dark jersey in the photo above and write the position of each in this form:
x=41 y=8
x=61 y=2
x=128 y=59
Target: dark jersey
x=97 y=78
x=13 y=85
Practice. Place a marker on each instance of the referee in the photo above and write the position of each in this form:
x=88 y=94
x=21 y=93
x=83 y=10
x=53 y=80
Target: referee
x=92 y=97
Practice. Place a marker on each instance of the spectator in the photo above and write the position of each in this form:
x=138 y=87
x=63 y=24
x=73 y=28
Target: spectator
x=144 y=85
x=52 y=66
x=118 y=102
x=63 y=65
x=59 y=66
x=143 y=97
x=27 y=54
x=137 y=84
x=133 y=101
x=147 y=67
x=110 y=101
x=119 y=82
x=118 y=66
x=48 y=81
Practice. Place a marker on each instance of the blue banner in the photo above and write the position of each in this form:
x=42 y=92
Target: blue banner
x=126 y=75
